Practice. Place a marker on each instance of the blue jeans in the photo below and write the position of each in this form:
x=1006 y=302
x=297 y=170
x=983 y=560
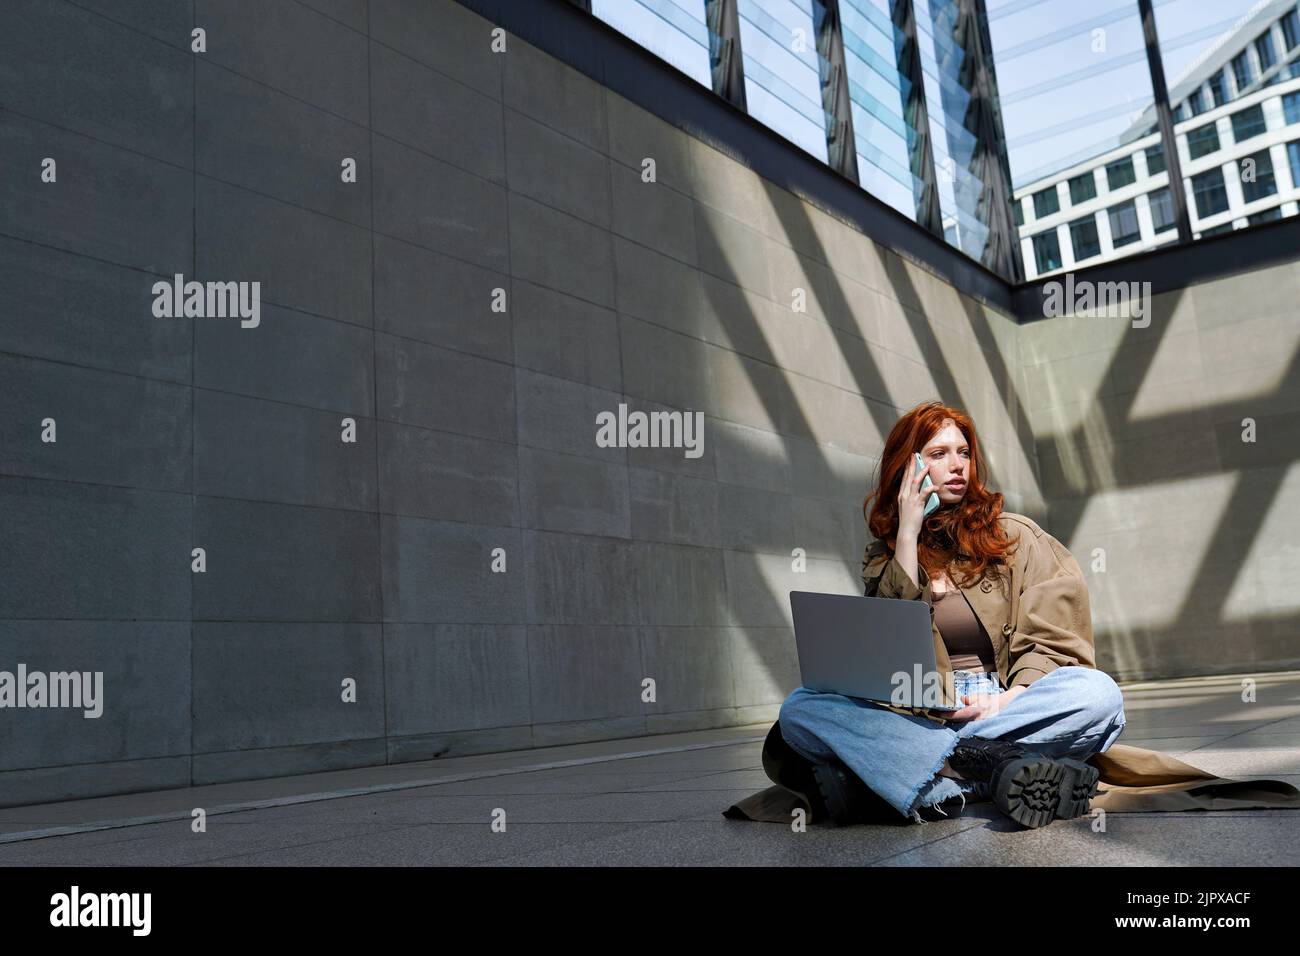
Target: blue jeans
x=1072 y=711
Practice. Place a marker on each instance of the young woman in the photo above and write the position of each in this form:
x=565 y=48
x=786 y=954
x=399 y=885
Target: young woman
x=1013 y=644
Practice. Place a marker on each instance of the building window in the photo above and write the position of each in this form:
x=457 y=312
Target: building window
x=1083 y=188
x=1202 y=141
x=1084 y=238
x=1155 y=159
x=1217 y=230
x=1046 y=202
x=1256 y=172
x=1210 y=193
x=1018 y=209
x=1291 y=107
x=1047 y=252
x=1268 y=215
x=1124 y=224
x=1264 y=48
x=1247 y=123
x=1196 y=102
x=1120 y=173
x=1162 y=209
x=1293 y=154
x=1291 y=29
x=1219 y=88
x=1241 y=71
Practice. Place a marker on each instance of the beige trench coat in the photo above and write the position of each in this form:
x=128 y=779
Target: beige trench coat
x=1038 y=618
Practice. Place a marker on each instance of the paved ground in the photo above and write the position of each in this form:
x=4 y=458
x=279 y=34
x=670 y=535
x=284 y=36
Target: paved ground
x=659 y=801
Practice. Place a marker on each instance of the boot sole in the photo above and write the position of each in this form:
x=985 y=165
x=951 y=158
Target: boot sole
x=1036 y=790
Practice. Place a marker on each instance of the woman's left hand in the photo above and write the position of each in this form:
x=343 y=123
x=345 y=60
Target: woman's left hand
x=985 y=705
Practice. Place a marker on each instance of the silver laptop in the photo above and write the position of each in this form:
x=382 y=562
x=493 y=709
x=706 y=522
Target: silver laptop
x=855 y=645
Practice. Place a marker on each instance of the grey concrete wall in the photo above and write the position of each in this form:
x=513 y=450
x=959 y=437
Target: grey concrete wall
x=1167 y=454
x=475 y=428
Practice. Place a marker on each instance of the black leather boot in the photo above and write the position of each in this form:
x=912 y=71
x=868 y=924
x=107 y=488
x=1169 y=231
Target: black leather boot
x=854 y=801
x=1029 y=787
x=847 y=799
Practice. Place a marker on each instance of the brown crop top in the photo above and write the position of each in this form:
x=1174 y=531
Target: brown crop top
x=968 y=644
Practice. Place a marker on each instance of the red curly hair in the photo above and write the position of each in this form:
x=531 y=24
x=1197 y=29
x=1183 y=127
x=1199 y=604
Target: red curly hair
x=968 y=530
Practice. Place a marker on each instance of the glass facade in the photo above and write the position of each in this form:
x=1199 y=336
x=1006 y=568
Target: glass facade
x=1007 y=127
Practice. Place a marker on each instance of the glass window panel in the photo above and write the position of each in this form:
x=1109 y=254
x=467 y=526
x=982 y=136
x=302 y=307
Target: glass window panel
x=1162 y=210
x=1293 y=156
x=1291 y=29
x=956 y=136
x=1083 y=188
x=1084 y=238
x=673 y=31
x=1155 y=160
x=1291 y=107
x=1219 y=88
x=1256 y=174
x=1247 y=123
x=1047 y=251
x=1242 y=73
x=1119 y=174
x=1046 y=202
x=1264 y=50
x=884 y=128
x=1203 y=141
x=1210 y=193
x=1268 y=215
x=782 y=78
x=1124 y=224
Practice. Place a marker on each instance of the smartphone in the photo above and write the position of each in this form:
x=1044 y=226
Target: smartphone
x=933 y=501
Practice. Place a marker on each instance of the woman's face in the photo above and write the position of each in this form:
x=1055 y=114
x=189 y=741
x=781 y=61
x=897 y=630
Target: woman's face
x=948 y=457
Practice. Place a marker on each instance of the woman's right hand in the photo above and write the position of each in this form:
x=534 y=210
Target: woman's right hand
x=911 y=504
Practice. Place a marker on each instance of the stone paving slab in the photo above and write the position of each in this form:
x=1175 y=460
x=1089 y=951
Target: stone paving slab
x=659 y=801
